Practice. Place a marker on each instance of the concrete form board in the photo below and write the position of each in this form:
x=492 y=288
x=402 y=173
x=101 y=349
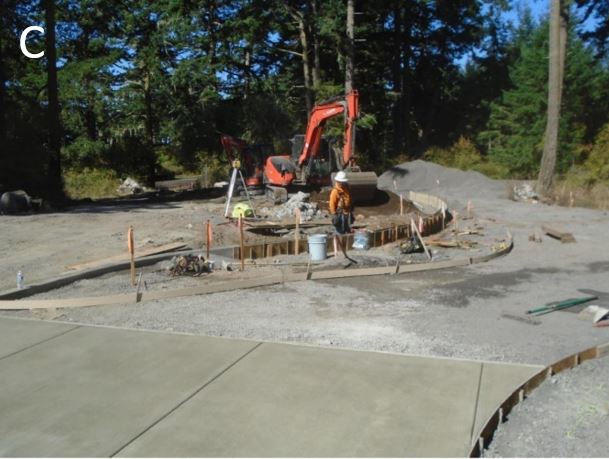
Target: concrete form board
x=92 y=390
x=496 y=383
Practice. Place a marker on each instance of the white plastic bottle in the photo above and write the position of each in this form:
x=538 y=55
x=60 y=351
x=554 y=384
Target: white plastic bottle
x=20 y=280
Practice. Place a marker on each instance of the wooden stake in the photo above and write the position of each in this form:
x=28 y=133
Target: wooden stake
x=416 y=230
x=241 y=243
x=297 y=233
x=401 y=204
x=208 y=237
x=469 y=208
x=131 y=248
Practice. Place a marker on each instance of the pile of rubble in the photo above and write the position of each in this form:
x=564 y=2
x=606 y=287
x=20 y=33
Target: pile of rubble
x=308 y=210
x=191 y=265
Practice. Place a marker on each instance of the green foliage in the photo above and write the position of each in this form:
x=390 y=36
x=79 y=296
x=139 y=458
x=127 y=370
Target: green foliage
x=90 y=183
x=597 y=164
x=515 y=131
x=147 y=86
x=464 y=155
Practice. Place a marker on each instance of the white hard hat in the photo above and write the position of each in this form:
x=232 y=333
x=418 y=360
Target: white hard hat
x=341 y=177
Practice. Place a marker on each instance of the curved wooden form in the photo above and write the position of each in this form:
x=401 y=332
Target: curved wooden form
x=485 y=435
x=271 y=279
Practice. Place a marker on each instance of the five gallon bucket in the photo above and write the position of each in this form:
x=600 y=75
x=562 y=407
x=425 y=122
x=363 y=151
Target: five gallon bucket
x=361 y=240
x=318 y=247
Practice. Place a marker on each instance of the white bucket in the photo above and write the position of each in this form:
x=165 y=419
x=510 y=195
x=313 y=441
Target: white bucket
x=318 y=247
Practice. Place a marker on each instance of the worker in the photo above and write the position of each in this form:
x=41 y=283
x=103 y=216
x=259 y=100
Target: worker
x=341 y=208
x=340 y=204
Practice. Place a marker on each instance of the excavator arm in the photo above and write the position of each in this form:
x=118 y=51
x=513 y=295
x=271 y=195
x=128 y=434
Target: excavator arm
x=349 y=107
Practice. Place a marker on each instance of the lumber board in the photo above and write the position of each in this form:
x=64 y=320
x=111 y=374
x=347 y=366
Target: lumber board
x=564 y=364
x=14 y=305
x=140 y=253
x=563 y=236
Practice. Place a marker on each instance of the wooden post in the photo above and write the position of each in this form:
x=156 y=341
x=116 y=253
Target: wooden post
x=401 y=204
x=469 y=208
x=241 y=244
x=416 y=231
x=131 y=248
x=297 y=233
x=208 y=236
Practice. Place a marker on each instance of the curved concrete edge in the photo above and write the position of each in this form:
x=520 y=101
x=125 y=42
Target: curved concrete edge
x=279 y=277
x=485 y=435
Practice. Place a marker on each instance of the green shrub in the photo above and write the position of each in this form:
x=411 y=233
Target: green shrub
x=465 y=156
x=597 y=164
x=90 y=183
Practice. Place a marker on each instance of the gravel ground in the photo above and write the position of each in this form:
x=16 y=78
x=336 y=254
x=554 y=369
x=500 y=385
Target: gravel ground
x=449 y=313
x=567 y=416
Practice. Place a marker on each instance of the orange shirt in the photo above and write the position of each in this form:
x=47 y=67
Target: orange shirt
x=340 y=197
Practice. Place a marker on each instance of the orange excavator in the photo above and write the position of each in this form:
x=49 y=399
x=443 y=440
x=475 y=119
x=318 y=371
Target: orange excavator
x=313 y=160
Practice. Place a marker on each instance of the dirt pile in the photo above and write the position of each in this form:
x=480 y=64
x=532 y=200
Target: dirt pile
x=423 y=176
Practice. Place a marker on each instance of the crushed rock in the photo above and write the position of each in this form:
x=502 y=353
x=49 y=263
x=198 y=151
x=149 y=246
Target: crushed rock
x=308 y=210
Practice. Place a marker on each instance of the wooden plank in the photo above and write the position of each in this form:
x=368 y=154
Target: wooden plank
x=125 y=256
x=9 y=305
x=562 y=236
x=564 y=364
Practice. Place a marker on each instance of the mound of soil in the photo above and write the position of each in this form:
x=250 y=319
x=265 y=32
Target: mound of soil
x=423 y=176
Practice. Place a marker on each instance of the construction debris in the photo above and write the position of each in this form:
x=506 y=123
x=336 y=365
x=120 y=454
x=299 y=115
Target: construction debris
x=300 y=200
x=451 y=244
x=562 y=236
x=411 y=245
x=130 y=186
x=192 y=265
x=594 y=313
x=524 y=192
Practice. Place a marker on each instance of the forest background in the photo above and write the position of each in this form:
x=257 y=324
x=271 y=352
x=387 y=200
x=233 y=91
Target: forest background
x=144 y=88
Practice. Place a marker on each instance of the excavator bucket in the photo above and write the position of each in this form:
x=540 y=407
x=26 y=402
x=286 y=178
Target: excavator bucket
x=363 y=186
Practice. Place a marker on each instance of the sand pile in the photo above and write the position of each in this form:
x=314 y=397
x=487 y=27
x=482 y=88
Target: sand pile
x=439 y=180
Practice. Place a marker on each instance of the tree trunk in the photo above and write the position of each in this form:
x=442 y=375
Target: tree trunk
x=406 y=96
x=306 y=64
x=396 y=112
x=54 y=122
x=316 y=45
x=349 y=64
x=550 y=148
x=2 y=98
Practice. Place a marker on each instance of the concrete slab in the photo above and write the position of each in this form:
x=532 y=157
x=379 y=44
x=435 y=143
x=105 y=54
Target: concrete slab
x=91 y=391
x=303 y=401
x=16 y=335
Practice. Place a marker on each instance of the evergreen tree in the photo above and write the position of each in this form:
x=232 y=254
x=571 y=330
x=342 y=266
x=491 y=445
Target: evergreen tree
x=514 y=135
